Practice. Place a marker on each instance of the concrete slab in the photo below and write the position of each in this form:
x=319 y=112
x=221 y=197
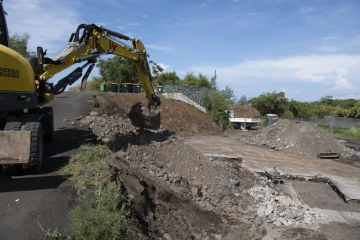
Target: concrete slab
x=345 y=177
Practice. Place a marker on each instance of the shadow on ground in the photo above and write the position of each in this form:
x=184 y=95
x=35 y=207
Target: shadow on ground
x=56 y=154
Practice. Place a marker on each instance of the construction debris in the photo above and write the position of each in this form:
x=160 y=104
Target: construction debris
x=281 y=210
x=302 y=138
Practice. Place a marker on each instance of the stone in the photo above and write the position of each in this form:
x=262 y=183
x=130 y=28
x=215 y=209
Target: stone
x=167 y=236
x=258 y=221
x=151 y=172
x=218 y=237
x=105 y=140
x=261 y=211
x=277 y=223
x=195 y=191
x=236 y=183
x=251 y=209
x=241 y=210
x=272 y=217
x=237 y=194
x=269 y=209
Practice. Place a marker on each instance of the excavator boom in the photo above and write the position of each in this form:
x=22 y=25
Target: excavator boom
x=90 y=42
x=26 y=121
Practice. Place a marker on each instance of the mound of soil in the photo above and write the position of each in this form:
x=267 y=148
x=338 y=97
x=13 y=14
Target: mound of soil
x=245 y=111
x=301 y=138
x=176 y=116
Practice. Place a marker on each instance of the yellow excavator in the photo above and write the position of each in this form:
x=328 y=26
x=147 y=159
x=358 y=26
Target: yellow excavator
x=25 y=120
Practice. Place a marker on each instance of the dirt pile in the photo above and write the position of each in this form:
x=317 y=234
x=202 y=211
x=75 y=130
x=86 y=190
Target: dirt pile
x=177 y=193
x=301 y=138
x=176 y=116
x=245 y=111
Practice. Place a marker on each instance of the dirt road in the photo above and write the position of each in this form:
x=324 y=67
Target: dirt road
x=31 y=203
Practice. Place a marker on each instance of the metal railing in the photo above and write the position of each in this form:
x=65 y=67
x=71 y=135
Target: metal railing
x=195 y=93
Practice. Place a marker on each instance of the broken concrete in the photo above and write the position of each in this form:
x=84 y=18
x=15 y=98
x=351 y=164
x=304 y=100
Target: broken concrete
x=345 y=178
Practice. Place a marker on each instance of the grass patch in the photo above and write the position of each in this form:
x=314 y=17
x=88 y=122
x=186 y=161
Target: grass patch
x=348 y=133
x=89 y=167
x=98 y=212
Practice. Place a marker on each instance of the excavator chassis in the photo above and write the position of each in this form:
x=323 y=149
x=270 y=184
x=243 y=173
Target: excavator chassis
x=22 y=137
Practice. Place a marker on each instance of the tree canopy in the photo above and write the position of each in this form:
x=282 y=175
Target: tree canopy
x=19 y=43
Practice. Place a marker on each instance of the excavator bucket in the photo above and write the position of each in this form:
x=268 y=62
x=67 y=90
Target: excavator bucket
x=143 y=117
x=14 y=147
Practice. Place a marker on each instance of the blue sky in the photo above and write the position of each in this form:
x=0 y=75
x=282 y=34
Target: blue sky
x=308 y=49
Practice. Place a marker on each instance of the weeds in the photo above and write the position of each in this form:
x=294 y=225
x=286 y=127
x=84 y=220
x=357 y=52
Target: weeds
x=98 y=213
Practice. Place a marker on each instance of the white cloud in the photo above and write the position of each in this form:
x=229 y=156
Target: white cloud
x=235 y=1
x=160 y=48
x=120 y=27
x=165 y=67
x=341 y=81
x=48 y=22
x=144 y=15
x=334 y=70
x=135 y=24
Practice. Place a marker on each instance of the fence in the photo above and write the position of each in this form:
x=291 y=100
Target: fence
x=195 y=93
x=341 y=122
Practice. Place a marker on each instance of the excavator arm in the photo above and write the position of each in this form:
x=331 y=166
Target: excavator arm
x=87 y=44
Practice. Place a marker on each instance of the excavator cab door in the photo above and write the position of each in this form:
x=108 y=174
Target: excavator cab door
x=4 y=36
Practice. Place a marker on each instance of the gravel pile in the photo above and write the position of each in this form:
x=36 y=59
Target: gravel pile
x=282 y=210
x=301 y=138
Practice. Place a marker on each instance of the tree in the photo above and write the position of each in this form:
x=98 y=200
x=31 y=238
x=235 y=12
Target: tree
x=243 y=101
x=328 y=100
x=200 y=80
x=228 y=95
x=168 y=77
x=118 y=69
x=156 y=68
x=216 y=104
x=20 y=44
x=270 y=103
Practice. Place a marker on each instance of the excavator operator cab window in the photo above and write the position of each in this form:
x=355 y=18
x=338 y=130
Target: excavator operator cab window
x=4 y=40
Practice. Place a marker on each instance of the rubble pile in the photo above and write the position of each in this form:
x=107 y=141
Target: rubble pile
x=281 y=210
x=302 y=138
x=106 y=127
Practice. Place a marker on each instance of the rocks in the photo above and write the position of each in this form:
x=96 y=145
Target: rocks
x=167 y=236
x=301 y=138
x=281 y=210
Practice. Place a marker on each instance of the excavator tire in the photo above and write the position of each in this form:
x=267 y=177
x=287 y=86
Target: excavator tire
x=11 y=126
x=36 y=151
x=49 y=124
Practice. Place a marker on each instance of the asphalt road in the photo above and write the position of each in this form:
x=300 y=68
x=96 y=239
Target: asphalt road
x=32 y=204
